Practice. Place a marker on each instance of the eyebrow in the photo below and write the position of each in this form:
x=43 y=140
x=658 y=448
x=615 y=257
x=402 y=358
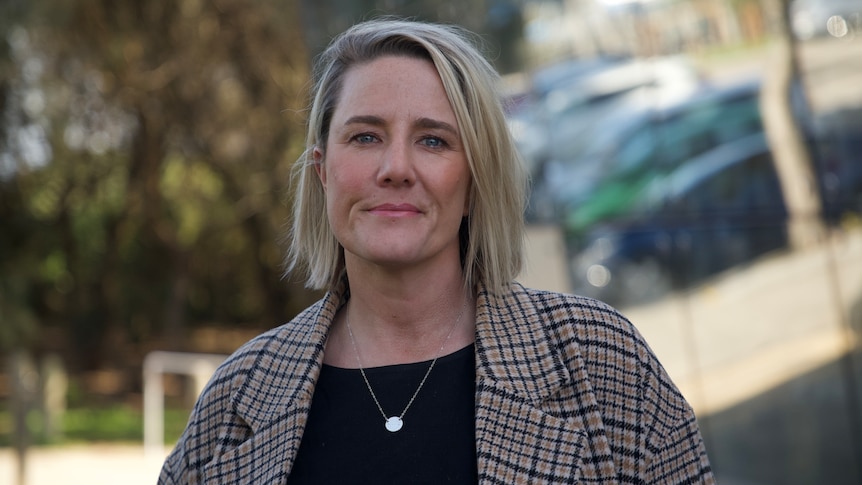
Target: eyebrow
x=426 y=123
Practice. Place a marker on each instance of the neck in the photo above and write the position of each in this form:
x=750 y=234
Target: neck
x=405 y=298
x=402 y=320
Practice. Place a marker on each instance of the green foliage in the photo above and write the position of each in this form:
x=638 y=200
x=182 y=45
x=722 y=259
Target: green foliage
x=192 y=192
x=115 y=423
x=150 y=153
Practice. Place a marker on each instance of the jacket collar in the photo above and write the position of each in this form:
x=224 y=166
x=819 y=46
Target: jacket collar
x=515 y=362
x=524 y=432
x=513 y=348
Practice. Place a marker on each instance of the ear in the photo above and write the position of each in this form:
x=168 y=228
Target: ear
x=317 y=158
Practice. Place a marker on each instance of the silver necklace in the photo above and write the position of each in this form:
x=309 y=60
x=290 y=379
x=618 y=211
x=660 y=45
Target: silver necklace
x=395 y=423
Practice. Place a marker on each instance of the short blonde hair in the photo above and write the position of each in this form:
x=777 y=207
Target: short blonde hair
x=492 y=234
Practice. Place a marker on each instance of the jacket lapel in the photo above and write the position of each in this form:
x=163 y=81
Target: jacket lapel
x=263 y=458
x=276 y=398
x=520 y=435
x=519 y=438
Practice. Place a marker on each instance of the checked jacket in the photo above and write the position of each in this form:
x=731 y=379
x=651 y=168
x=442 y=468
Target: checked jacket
x=567 y=391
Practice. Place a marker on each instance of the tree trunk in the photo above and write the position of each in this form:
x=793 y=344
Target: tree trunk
x=786 y=138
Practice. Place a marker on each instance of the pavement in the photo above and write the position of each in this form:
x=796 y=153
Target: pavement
x=93 y=464
x=760 y=326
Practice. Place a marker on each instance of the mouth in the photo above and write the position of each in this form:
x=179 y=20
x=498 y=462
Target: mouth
x=395 y=210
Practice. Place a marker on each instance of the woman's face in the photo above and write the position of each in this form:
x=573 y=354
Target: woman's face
x=394 y=170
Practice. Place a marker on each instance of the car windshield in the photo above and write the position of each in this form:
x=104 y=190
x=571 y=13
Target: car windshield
x=590 y=135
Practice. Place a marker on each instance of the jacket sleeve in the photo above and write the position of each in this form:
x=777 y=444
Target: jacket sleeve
x=681 y=456
x=649 y=428
x=674 y=449
x=166 y=477
x=212 y=427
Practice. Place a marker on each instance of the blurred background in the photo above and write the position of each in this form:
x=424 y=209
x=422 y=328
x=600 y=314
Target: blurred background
x=696 y=163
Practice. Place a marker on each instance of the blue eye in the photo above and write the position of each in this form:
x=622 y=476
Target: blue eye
x=365 y=138
x=433 y=142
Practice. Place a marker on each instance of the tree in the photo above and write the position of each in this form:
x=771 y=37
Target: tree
x=786 y=137
x=499 y=22
x=170 y=128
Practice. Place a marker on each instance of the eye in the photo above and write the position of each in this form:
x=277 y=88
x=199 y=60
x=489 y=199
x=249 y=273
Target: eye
x=365 y=138
x=434 y=142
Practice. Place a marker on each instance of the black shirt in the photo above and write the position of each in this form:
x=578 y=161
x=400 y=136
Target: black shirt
x=345 y=440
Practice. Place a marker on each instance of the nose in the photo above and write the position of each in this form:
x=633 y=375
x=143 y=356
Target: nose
x=396 y=166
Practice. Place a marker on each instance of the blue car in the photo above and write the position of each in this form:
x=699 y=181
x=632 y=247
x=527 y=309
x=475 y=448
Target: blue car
x=595 y=167
x=719 y=210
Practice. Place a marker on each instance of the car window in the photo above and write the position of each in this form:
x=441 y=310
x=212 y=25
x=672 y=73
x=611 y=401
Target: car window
x=761 y=190
x=742 y=188
x=641 y=146
x=706 y=125
x=737 y=118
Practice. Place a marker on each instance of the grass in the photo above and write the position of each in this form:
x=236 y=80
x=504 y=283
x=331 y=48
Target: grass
x=114 y=423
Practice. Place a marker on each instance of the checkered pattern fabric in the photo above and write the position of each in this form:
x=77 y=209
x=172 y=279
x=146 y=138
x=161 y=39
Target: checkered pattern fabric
x=567 y=391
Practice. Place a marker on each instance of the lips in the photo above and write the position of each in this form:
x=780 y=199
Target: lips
x=395 y=209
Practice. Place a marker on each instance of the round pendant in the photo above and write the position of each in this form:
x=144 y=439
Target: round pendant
x=394 y=424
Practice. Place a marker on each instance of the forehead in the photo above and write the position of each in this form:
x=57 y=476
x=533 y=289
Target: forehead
x=391 y=83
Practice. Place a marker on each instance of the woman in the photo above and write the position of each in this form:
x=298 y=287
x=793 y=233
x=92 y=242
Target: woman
x=425 y=362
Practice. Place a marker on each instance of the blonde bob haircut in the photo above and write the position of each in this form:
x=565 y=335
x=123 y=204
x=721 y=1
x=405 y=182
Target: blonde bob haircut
x=492 y=234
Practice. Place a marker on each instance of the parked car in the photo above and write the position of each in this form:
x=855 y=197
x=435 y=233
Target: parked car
x=837 y=152
x=527 y=117
x=596 y=170
x=566 y=97
x=719 y=210
x=657 y=142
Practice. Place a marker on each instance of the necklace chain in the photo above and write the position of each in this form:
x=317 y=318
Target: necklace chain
x=394 y=423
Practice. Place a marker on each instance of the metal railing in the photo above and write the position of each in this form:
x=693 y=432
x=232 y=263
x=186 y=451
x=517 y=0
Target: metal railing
x=156 y=364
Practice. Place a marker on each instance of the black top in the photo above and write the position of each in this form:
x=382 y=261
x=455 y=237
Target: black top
x=345 y=440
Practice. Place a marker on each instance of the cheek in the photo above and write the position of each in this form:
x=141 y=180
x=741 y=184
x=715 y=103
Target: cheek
x=343 y=187
x=344 y=180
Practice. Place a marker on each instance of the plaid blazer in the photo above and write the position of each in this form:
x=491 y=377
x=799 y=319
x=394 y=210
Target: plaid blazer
x=567 y=391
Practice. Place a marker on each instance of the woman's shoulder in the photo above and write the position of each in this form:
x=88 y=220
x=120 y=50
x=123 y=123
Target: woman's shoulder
x=614 y=353
x=277 y=351
x=587 y=330
x=579 y=317
x=237 y=397
x=608 y=344
x=570 y=303
x=292 y=333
